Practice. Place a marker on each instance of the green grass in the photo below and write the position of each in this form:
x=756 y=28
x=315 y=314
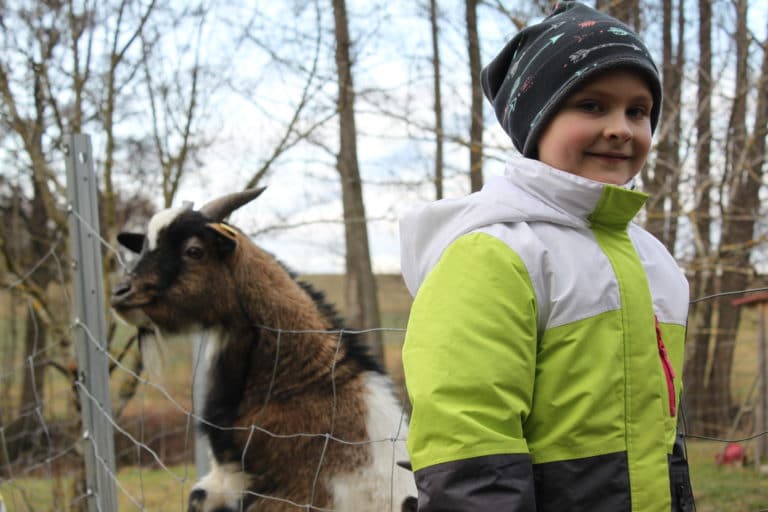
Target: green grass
x=724 y=488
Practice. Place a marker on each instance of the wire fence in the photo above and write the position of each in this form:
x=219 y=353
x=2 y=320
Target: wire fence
x=43 y=440
x=44 y=445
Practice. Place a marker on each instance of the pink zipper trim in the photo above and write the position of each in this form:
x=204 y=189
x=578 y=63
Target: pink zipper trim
x=669 y=373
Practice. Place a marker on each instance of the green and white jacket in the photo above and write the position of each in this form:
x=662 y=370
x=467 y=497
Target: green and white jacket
x=543 y=355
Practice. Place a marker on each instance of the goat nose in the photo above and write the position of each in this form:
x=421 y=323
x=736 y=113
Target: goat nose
x=121 y=290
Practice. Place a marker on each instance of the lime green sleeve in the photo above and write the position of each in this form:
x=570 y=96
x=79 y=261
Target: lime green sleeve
x=470 y=354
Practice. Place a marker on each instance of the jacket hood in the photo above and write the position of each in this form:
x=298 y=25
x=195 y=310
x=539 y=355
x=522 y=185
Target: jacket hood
x=529 y=191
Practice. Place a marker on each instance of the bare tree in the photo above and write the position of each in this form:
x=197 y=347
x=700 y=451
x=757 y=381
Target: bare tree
x=303 y=122
x=362 y=301
x=476 y=108
x=728 y=265
x=26 y=119
x=174 y=103
x=703 y=275
x=662 y=182
x=119 y=47
x=70 y=84
x=745 y=159
x=439 y=136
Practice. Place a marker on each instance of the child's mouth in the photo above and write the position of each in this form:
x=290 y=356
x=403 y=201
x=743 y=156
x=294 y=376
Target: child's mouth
x=611 y=157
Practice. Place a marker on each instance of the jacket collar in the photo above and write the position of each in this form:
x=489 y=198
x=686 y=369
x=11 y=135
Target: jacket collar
x=582 y=200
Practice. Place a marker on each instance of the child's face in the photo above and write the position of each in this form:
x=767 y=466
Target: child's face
x=603 y=130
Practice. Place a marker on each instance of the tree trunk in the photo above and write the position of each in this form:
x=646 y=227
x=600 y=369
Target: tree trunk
x=738 y=232
x=362 y=302
x=438 y=100
x=663 y=185
x=703 y=264
x=476 y=109
x=677 y=131
x=35 y=338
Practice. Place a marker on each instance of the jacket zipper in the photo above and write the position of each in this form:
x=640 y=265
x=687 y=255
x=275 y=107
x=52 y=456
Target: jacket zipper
x=669 y=373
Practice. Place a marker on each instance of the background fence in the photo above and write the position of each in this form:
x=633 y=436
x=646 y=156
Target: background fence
x=84 y=426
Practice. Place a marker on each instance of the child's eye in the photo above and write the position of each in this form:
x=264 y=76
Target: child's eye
x=638 y=112
x=589 y=106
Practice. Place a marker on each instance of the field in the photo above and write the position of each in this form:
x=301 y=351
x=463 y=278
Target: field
x=724 y=489
x=156 y=418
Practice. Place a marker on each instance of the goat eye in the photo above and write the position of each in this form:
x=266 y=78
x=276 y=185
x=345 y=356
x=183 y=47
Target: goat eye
x=194 y=253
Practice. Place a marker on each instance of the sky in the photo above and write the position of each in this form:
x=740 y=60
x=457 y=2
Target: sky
x=304 y=189
x=304 y=192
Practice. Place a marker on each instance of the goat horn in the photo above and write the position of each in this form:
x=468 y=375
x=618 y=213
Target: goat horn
x=218 y=209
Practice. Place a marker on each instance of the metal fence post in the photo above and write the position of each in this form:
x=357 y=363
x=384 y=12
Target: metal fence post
x=90 y=324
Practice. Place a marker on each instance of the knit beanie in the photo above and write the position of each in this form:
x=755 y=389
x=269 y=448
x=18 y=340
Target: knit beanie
x=543 y=64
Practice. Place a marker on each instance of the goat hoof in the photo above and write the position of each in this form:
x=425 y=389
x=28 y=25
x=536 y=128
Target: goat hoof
x=197 y=500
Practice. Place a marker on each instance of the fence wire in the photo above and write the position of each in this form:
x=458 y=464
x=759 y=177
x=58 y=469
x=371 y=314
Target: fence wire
x=41 y=438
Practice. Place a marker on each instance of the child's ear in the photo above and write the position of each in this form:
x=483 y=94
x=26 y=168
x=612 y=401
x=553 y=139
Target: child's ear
x=225 y=237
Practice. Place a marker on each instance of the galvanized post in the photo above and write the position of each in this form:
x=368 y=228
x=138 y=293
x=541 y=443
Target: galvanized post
x=90 y=325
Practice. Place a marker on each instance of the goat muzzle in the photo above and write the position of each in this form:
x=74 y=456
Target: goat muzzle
x=120 y=293
x=125 y=296
x=128 y=303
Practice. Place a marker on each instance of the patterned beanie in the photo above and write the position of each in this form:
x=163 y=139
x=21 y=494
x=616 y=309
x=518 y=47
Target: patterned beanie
x=543 y=64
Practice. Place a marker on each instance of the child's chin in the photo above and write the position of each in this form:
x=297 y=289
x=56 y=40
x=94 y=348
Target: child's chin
x=618 y=179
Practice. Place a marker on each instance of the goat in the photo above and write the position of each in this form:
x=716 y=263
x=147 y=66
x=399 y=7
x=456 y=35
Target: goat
x=296 y=414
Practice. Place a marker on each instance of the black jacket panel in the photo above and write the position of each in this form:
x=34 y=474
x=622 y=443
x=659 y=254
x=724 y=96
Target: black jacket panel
x=591 y=484
x=493 y=483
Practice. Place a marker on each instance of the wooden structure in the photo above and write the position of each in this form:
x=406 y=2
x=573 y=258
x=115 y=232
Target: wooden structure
x=760 y=301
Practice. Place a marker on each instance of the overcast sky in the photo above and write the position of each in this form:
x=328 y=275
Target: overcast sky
x=304 y=188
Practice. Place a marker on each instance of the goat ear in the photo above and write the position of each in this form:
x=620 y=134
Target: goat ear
x=134 y=242
x=226 y=237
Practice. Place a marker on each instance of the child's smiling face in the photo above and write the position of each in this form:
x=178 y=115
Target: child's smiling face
x=603 y=130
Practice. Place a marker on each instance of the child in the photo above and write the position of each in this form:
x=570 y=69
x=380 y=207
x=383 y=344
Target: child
x=543 y=355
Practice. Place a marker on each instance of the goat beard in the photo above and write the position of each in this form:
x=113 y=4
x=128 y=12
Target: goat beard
x=149 y=337
x=152 y=351
x=134 y=317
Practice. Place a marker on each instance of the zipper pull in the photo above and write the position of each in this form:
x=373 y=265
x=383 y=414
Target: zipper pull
x=669 y=372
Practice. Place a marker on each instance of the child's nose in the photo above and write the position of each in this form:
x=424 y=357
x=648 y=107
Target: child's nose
x=618 y=127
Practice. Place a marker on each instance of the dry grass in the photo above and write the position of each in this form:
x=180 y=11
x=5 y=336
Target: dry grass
x=150 y=490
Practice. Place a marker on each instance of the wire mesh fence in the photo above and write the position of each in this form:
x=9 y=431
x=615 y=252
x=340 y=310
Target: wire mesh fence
x=45 y=445
x=42 y=441
x=49 y=448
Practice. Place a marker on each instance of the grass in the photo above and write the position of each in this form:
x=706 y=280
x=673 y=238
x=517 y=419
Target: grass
x=143 y=489
x=717 y=489
x=724 y=488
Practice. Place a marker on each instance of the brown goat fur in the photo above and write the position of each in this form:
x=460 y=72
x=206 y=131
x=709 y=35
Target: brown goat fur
x=292 y=399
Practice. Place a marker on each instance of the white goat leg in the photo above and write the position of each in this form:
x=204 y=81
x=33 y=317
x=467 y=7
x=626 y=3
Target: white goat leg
x=222 y=488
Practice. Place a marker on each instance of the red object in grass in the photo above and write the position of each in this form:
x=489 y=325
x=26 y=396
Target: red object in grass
x=733 y=453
